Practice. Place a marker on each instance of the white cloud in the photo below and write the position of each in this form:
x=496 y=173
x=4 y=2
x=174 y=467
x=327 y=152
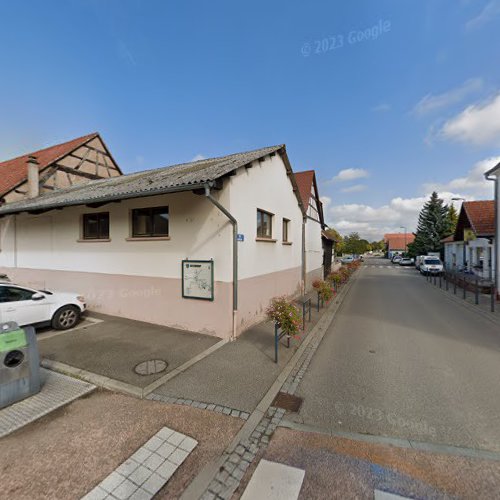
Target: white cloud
x=432 y=102
x=357 y=188
x=373 y=222
x=477 y=124
x=198 y=157
x=473 y=184
x=350 y=174
x=489 y=12
x=381 y=108
x=326 y=200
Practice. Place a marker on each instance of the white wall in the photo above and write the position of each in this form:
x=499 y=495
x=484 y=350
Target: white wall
x=265 y=186
x=198 y=230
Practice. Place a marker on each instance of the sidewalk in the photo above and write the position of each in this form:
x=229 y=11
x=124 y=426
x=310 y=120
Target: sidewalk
x=238 y=374
x=484 y=300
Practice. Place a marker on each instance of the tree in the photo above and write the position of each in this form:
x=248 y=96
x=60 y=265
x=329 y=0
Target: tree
x=353 y=244
x=452 y=219
x=339 y=241
x=433 y=226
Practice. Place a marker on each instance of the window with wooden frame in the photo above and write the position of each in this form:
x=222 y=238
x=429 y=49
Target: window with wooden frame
x=264 y=224
x=151 y=222
x=286 y=225
x=95 y=226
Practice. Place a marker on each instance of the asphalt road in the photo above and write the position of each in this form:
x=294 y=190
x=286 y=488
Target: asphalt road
x=402 y=360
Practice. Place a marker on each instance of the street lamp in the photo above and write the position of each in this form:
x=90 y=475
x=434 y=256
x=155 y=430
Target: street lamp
x=403 y=227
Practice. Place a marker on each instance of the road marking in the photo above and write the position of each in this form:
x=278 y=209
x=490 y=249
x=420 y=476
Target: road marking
x=83 y=324
x=384 y=495
x=274 y=481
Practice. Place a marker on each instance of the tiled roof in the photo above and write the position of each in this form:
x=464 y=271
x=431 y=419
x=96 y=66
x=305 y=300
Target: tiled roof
x=396 y=241
x=175 y=178
x=481 y=215
x=13 y=172
x=304 y=183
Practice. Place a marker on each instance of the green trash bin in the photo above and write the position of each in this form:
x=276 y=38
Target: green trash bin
x=19 y=363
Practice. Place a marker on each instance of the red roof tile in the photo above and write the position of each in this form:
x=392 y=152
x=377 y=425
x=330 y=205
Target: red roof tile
x=396 y=241
x=14 y=171
x=304 y=183
x=481 y=215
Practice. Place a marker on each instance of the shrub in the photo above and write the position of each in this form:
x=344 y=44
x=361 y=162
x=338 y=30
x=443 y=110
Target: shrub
x=335 y=277
x=285 y=313
x=324 y=289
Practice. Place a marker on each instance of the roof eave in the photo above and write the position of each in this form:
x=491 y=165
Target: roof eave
x=104 y=199
x=493 y=171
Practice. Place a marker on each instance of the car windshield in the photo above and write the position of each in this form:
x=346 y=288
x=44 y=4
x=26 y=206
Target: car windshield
x=432 y=261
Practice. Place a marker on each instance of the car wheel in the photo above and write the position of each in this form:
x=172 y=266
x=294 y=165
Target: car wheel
x=66 y=317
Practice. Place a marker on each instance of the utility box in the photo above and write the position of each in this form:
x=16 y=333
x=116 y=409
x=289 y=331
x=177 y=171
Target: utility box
x=19 y=363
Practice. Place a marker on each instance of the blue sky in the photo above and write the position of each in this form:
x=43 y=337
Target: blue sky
x=396 y=113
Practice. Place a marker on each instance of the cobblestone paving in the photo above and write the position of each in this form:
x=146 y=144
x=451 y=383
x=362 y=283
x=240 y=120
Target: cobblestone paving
x=234 y=467
x=225 y=410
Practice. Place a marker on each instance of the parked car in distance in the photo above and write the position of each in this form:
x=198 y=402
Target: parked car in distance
x=406 y=261
x=27 y=306
x=346 y=259
x=431 y=265
x=396 y=259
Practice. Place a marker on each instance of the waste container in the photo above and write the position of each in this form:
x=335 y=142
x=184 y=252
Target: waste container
x=19 y=363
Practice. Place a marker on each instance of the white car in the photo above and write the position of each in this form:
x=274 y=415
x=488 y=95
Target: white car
x=431 y=265
x=347 y=259
x=27 y=306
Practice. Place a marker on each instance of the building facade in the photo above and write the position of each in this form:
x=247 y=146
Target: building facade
x=201 y=246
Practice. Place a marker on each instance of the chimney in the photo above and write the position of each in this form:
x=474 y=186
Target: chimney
x=33 y=178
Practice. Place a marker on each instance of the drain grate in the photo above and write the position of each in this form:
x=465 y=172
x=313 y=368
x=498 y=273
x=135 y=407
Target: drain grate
x=288 y=402
x=151 y=367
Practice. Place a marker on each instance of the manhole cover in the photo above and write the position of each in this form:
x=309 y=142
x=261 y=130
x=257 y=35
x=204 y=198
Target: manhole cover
x=151 y=367
x=287 y=402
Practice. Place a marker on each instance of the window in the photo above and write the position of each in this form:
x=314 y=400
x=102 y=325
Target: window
x=14 y=294
x=285 y=230
x=264 y=224
x=96 y=226
x=149 y=222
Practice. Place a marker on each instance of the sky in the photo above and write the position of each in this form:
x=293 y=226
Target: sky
x=386 y=99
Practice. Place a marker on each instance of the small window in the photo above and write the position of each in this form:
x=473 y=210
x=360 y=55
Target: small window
x=286 y=223
x=96 y=226
x=264 y=224
x=149 y=222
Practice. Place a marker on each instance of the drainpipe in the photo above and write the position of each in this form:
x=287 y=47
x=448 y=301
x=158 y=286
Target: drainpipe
x=234 y=222
x=496 y=180
x=304 y=220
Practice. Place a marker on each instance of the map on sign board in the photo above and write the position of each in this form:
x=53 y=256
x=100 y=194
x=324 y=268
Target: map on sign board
x=198 y=279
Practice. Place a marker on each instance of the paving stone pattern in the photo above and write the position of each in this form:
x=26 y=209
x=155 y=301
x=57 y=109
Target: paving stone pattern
x=146 y=472
x=232 y=471
x=57 y=390
x=233 y=412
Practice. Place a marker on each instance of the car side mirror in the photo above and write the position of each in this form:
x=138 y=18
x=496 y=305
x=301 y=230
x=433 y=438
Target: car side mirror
x=37 y=296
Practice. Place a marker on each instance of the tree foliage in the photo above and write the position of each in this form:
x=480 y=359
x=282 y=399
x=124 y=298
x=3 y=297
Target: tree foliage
x=353 y=244
x=339 y=240
x=436 y=221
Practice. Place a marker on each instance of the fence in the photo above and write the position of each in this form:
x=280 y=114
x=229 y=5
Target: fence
x=472 y=284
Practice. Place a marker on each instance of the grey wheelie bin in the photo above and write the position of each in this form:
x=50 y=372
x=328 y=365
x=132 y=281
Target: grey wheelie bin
x=19 y=363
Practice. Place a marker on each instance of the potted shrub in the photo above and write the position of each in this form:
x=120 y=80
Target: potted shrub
x=284 y=312
x=324 y=289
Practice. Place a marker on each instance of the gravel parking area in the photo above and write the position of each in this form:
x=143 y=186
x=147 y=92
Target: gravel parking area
x=65 y=454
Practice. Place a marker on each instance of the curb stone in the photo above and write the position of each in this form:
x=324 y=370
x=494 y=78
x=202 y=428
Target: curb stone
x=215 y=481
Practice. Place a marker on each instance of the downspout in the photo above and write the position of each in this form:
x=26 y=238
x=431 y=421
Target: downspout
x=234 y=222
x=496 y=180
x=304 y=219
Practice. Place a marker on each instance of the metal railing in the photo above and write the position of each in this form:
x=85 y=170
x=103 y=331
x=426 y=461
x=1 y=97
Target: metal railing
x=467 y=283
x=278 y=335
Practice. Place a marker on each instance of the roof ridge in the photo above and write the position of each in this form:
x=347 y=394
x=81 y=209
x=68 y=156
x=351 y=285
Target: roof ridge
x=32 y=153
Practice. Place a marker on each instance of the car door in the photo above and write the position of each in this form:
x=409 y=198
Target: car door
x=16 y=304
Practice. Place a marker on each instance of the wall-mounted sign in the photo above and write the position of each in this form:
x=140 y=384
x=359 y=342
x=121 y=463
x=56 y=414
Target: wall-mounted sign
x=469 y=234
x=240 y=237
x=198 y=279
